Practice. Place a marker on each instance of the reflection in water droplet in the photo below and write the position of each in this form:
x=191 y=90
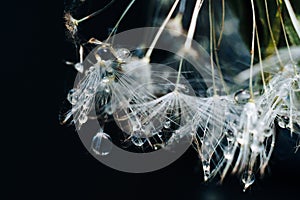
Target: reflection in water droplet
x=123 y=54
x=137 y=141
x=228 y=153
x=248 y=179
x=206 y=169
x=79 y=67
x=242 y=96
x=167 y=124
x=101 y=144
x=72 y=97
x=82 y=118
x=105 y=53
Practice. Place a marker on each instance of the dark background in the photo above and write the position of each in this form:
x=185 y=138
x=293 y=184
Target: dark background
x=42 y=159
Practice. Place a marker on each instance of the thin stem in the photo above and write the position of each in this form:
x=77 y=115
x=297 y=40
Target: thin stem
x=217 y=47
x=293 y=17
x=182 y=6
x=179 y=73
x=285 y=38
x=161 y=28
x=271 y=34
x=252 y=51
x=122 y=16
x=81 y=54
x=222 y=24
x=260 y=60
x=191 y=31
x=96 y=13
x=211 y=47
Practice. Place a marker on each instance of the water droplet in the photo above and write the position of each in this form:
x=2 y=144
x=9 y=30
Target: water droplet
x=167 y=124
x=240 y=138
x=79 y=67
x=101 y=144
x=105 y=53
x=137 y=141
x=210 y=92
x=123 y=54
x=90 y=90
x=257 y=147
x=105 y=80
x=72 y=96
x=82 y=118
x=206 y=169
x=228 y=154
x=267 y=132
x=242 y=96
x=283 y=122
x=229 y=136
x=248 y=179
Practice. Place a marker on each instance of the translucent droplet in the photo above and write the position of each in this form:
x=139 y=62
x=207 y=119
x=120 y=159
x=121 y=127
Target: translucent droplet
x=72 y=96
x=242 y=96
x=228 y=154
x=105 y=53
x=248 y=179
x=105 y=80
x=123 y=54
x=167 y=124
x=82 y=118
x=267 y=132
x=210 y=92
x=90 y=90
x=240 y=138
x=229 y=136
x=79 y=67
x=206 y=169
x=101 y=144
x=282 y=123
x=257 y=147
x=137 y=141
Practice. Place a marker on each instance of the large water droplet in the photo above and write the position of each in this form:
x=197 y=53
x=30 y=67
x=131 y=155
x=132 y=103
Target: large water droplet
x=105 y=53
x=228 y=153
x=206 y=169
x=137 y=141
x=167 y=124
x=248 y=179
x=257 y=147
x=268 y=132
x=82 y=118
x=101 y=144
x=283 y=122
x=123 y=54
x=72 y=96
x=79 y=67
x=242 y=96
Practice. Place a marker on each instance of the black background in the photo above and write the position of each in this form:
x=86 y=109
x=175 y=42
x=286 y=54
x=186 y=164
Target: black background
x=42 y=159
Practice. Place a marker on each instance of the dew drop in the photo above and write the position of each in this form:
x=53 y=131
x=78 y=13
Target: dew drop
x=206 y=169
x=105 y=53
x=79 y=67
x=167 y=124
x=72 y=97
x=137 y=141
x=248 y=179
x=123 y=54
x=282 y=122
x=82 y=118
x=267 y=132
x=229 y=136
x=242 y=96
x=228 y=154
x=257 y=147
x=101 y=144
